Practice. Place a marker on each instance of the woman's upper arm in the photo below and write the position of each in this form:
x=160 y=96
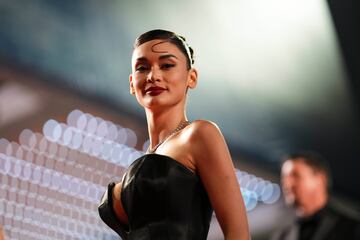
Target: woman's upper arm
x=217 y=172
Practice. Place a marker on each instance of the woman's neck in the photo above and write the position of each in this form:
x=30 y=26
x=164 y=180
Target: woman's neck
x=161 y=124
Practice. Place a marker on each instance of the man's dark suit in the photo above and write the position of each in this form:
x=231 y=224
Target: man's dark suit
x=327 y=224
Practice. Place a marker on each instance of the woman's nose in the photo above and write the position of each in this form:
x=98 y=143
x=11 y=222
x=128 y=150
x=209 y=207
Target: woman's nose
x=153 y=75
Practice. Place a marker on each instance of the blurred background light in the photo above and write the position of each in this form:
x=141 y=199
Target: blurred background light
x=52 y=130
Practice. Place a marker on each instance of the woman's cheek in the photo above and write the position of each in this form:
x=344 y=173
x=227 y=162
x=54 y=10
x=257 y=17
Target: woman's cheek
x=138 y=86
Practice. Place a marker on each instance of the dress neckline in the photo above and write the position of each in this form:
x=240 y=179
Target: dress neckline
x=166 y=157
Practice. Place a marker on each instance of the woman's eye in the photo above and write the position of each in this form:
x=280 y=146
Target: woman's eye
x=167 y=65
x=140 y=68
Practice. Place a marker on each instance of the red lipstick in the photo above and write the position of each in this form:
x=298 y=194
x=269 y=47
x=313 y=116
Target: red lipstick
x=155 y=90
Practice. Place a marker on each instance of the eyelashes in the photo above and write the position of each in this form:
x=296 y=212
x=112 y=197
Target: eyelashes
x=143 y=68
x=167 y=66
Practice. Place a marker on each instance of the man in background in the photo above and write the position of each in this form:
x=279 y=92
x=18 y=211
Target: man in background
x=306 y=180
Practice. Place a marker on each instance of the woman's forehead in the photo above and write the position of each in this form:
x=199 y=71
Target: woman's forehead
x=157 y=47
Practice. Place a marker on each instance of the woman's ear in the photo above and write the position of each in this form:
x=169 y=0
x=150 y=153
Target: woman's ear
x=132 y=89
x=192 y=78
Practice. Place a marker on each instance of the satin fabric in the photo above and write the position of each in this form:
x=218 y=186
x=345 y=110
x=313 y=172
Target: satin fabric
x=163 y=200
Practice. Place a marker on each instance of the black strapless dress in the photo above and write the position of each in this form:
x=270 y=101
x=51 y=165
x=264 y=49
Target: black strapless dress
x=162 y=199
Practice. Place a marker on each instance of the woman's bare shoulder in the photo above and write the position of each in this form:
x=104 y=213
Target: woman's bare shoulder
x=204 y=126
x=203 y=133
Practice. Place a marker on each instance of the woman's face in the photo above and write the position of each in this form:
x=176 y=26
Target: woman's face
x=160 y=76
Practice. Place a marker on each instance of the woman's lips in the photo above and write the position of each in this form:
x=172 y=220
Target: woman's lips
x=154 y=90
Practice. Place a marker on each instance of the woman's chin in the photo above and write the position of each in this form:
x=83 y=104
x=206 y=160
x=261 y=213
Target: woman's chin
x=152 y=104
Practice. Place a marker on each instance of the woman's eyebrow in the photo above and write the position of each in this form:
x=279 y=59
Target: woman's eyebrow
x=141 y=59
x=167 y=56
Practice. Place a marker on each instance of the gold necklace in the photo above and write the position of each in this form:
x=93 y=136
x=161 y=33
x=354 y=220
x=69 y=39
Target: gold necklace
x=181 y=126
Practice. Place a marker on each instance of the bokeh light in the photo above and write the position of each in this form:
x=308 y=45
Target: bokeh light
x=76 y=141
x=52 y=130
x=27 y=138
x=92 y=124
x=131 y=138
x=51 y=182
x=255 y=189
x=67 y=136
x=122 y=136
x=102 y=129
x=3 y=145
x=112 y=131
x=146 y=145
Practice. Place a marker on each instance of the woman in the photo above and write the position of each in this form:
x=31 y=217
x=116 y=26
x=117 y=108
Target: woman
x=169 y=193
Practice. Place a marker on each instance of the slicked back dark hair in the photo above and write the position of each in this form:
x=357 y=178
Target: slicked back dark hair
x=171 y=37
x=314 y=160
